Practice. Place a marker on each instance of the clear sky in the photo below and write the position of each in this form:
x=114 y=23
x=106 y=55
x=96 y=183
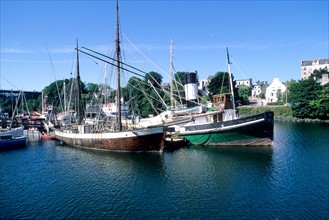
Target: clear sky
x=266 y=39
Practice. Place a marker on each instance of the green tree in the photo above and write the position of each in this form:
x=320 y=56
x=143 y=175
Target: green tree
x=23 y=104
x=243 y=94
x=309 y=99
x=261 y=95
x=92 y=88
x=134 y=95
x=321 y=103
x=318 y=73
x=220 y=84
x=290 y=84
x=151 y=103
x=55 y=93
x=179 y=92
x=154 y=78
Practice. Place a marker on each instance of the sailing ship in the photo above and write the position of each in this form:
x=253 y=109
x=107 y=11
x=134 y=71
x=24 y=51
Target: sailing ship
x=223 y=127
x=112 y=136
x=220 y=126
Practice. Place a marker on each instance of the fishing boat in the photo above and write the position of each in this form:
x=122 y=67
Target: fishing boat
x=220 y=126
x=110 y=136
x=248 y=131
x=223 y=127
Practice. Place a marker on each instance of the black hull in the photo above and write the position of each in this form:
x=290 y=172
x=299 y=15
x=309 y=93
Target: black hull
x=253 y=130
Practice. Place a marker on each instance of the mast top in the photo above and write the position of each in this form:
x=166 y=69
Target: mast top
x=228 y=56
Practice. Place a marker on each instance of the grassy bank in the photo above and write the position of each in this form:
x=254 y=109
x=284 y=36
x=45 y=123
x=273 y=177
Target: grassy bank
x=280 y=111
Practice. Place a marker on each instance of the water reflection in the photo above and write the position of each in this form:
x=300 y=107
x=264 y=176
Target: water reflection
x=128 y=161
x=286 y=181
x=300 y=156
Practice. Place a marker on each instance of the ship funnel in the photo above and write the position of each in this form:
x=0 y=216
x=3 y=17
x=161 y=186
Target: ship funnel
x=191 y=88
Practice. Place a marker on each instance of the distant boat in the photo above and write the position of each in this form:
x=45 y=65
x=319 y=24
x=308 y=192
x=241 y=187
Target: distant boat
x=48 y=136
x=111 y=136
x=11 y=142
x=11 y=137
x=15 y=132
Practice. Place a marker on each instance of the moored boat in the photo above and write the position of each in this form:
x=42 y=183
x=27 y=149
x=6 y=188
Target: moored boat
x=223 y=127
x=48 y=136
x=110 y=135
x=11 y=142
x=15 y=132
x=147 y=139
x=249 y=131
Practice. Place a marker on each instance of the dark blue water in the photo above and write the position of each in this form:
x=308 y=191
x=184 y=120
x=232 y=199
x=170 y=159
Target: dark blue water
x=288 y=181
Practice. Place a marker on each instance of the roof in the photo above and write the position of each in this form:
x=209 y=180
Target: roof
x=310 y=62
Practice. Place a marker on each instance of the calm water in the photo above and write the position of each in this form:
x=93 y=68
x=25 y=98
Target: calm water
x=288 y=181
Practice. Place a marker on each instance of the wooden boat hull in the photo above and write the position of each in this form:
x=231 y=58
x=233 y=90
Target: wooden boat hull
x=148 y=139
x=253 y=130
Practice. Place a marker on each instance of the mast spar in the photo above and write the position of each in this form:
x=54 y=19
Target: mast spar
x=78 y=88
x=118 y=95
x=171 y=78
x=230 y=77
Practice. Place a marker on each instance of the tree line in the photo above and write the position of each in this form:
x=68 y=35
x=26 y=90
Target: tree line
x=146 y=96
x=309 y=99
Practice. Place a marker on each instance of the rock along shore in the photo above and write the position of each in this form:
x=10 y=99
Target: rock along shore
x=309 y=120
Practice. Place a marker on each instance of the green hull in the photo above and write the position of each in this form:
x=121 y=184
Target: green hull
x=243 y=131
x=226 y=139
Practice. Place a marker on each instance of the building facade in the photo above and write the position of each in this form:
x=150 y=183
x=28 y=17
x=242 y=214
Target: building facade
x=246 y=82
x=308 y=66
x=274 y=90
x=259 y=88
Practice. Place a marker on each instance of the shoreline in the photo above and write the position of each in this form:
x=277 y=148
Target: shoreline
x=308 y=120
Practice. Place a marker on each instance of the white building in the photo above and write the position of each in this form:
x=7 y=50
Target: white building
x=246 y=82
x=308 y=66
x=203 y=85
x=273 y=90
x=258 y=89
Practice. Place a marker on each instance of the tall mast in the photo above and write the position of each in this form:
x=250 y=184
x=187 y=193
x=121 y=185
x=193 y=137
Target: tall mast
x=42 y=103
x=118 y=95
x=79 y=110
x=105 y=89
x=171 y=78
x=64 y=89
x=230 y=77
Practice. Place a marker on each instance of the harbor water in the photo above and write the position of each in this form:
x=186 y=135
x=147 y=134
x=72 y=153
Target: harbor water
x=47 y=180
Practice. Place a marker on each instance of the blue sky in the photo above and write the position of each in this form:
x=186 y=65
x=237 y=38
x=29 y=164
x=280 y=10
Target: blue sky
x=266 y=39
